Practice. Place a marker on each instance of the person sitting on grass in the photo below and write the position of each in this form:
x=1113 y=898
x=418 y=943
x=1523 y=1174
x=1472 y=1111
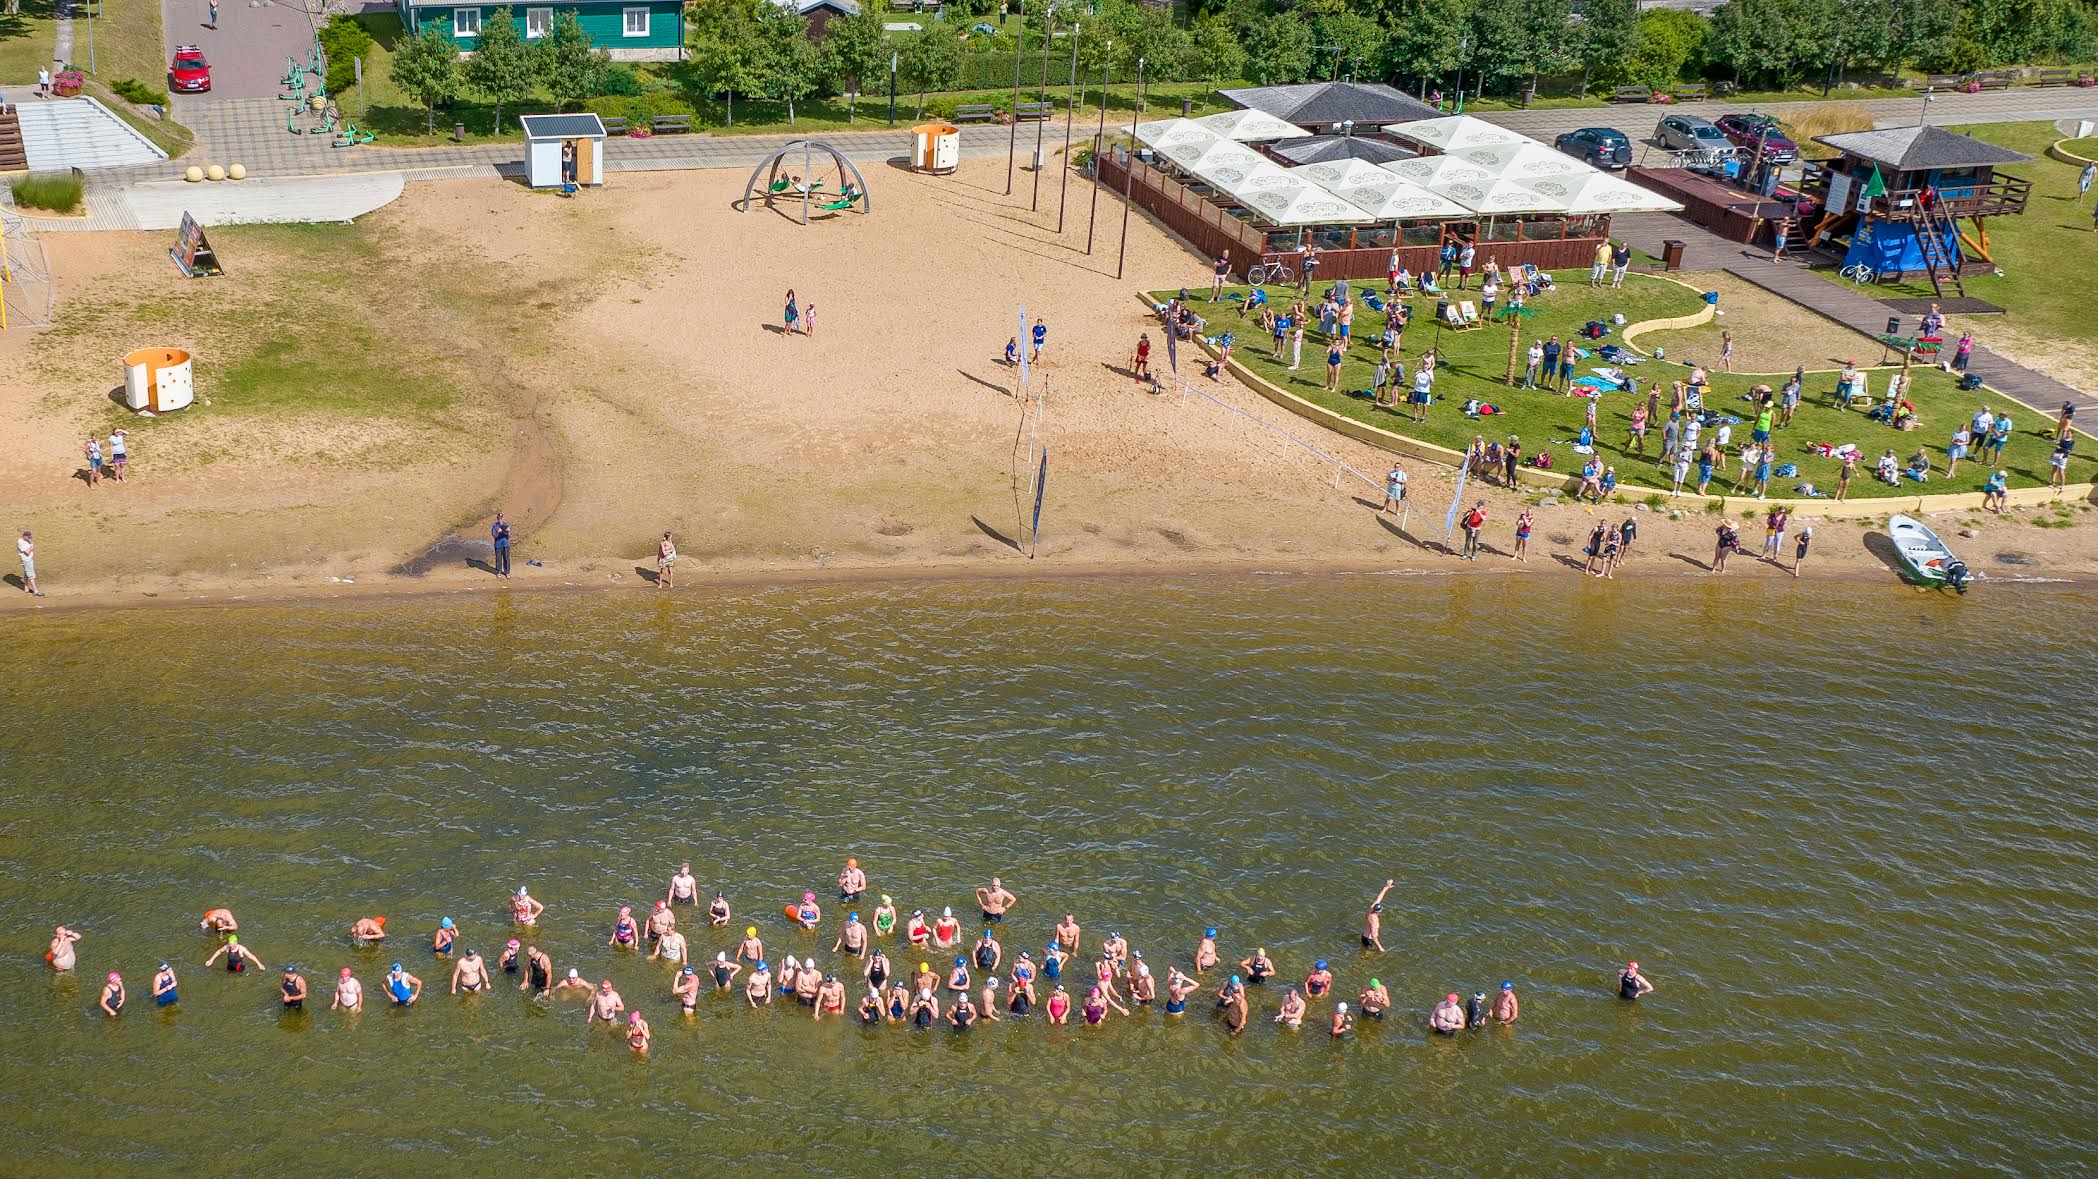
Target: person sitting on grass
x=1591 y=482
x=1888 y=471
x=1401 y=283
x=1259 y=298
x=1919 y=466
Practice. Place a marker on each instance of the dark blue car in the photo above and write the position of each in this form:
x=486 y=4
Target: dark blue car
x=1601 y=147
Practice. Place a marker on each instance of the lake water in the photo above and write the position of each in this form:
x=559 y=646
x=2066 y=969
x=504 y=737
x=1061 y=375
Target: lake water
x=1848 y=832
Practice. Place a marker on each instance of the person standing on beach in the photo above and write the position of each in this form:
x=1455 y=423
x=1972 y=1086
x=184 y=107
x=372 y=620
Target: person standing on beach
x=1799 y=552
x=1373 y=919
x=1631 y=984
x=792 y=313
x=1728 y=541
x=1774 y=534
x=93 y=451
x=119 y=455
x=1219 y=275
x=1474 y=521
x=499 y=535
x=1394 y=494
x=1523 y=524
x=25 y=546
x=1599 y=265
x=666 y=555
x=1041 y=340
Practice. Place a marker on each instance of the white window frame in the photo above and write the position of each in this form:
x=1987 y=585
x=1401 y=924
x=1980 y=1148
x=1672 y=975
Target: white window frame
x=458 y=30
x=545 y=16
x=626 y=21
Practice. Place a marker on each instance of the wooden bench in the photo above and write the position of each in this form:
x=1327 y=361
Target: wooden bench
x=1939 y=82
x=669 y=124
x=1690 y=92
x=1034 y=110
x=975 y=113
x=614 y=125
x=1632 y=94
x=2054 y=78
x=1997 y=81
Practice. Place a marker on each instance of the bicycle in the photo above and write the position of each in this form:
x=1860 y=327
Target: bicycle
x=1860 y=274
x=1277 y=273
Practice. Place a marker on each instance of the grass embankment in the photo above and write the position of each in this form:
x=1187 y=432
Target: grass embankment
x=1474 y=364
x=26 y=40
x=2039 y=253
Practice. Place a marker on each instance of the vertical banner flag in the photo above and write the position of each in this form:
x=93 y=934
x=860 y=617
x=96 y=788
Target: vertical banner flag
x=1041 y=484
x=1172 y=349
x=1449 y=522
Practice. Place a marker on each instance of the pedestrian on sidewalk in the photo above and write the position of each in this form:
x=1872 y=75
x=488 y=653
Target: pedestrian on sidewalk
x=213 y=23
x=26 y=547
x=43 y=81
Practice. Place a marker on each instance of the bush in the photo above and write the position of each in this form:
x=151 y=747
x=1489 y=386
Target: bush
x=344 y=41
x=139 y=92
x=620 y=81
x=638 y=109
x=57 y=191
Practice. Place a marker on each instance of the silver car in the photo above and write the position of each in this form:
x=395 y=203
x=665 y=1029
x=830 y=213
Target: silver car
x=1690 y=133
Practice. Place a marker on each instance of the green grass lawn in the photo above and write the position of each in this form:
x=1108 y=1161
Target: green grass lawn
x=2039 y=252
x=128 y=43
x=1474 y=364
x=26 y=40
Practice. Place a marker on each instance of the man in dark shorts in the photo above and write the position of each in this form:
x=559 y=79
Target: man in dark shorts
x=1222 y=276
x=499 y=533
x=1629 y=533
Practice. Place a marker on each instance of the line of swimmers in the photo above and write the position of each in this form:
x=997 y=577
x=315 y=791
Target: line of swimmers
x=918 y=1003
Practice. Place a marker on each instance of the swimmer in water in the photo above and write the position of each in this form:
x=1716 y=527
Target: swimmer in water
x=1292 y=1013
x=636 y=1032
x=962 y=1014
x=349 y=993
x=368 y=929
x=1142 y=987
x=1319 y=981
x=1259 y=968
x=852 y=883
x=573 y=982
x=219 y=921
x=1206 y=951
x=1631 y=984
x=916 y=930
x=1236 y=1012
x=671 y=948
x=685 y=989
x=524 y=908
x=1343 y=1023
x=538 y=972
x=718 y=914
x=958 y=978
x=507 y=961
x=808 y=914
x=1059 y=1005
x=605 y=1005
x=757 y=989
x=1505 y=1007
x=1373 y=919
x=447 y=933
x=989 y=1005
x=294 y=987
x=871 y=1012
x=1096 y=1005
x=885 y=916
x=830 y=997
x=877 y=970
x=994 y=900
x=1178 y=987
x=807 y=982
x=988 y=953
x=1374 y=1000
x=925 y=1009
x=625 y=934
x=402 y=987
x=237 y=956
x=899 y=1003
x=1068 y=932
x=750 y=949
x=470 y=973
x=164 y=987
x=660 y=922
x=112 y=995
x=1116 y=950
x=1475 y=1011
x=684 y=890
x=1053 y=959
x=852 y=937
x=946 y=932
x=61 y=955
x=1447 y=1018
x=724 y=971
x=1020 y=996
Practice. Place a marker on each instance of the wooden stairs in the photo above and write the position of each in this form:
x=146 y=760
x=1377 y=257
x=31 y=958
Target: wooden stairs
x=1933 y=229
x=13 y=156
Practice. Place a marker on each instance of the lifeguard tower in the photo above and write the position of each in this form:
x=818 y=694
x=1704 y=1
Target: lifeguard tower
x=1894 y=199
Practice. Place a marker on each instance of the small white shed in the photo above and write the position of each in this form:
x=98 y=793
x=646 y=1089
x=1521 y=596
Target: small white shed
x=562 y=149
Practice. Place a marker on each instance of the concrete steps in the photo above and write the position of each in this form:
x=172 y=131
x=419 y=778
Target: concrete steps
x=80 y=133
x=12 y=155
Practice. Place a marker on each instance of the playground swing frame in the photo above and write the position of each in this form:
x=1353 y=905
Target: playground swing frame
x=769 y=168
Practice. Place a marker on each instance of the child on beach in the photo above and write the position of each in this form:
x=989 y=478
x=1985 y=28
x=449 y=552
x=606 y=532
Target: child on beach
x=1140 y=363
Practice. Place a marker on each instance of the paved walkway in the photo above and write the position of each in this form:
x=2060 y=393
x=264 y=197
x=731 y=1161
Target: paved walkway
x=247 y=51
x=62 y=50
x=1846 y=305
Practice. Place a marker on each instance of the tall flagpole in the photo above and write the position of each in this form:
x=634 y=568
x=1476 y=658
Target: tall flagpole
x=1099 y=145
x=1129 y=173
x=1070 y=113
x=1012 y=147
x=1048 y=27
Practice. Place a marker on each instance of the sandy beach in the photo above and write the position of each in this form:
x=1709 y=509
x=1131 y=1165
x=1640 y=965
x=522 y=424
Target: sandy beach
x=606 y=368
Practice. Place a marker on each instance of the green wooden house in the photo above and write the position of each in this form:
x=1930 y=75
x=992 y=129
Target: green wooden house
x=630 y=30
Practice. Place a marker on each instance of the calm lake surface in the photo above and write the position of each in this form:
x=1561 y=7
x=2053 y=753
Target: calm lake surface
x=1848 y=832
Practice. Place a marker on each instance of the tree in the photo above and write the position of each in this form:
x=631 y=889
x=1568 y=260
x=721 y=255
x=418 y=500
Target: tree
x=1671 y=48
x=725 y=51
x=932 y=60
x=1429 y=38
x=1278 y=50
x=791 y=66
x=1911 y=30
x=855 y=48
x=1343 y=41
x=1609 y=38
x=1213 y=49
x=426 y=68
x=1751 y=38
x=502 y=66
x=569 y=68
x=1521 y=39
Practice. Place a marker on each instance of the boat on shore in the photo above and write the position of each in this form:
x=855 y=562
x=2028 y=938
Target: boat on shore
x=1927 y=559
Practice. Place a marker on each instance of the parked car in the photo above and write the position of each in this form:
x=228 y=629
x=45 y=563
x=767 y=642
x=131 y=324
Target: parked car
x=1690 y=133
x=1746 y=131
x=189 y=73
x=1604 y=147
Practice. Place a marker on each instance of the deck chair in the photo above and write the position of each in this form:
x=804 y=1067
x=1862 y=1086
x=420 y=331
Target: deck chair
x=1452 y=316
x=1470 y=311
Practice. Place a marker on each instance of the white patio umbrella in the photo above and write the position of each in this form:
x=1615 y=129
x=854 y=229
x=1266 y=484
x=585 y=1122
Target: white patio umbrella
x=1596 y=192
x=1302 y=204
x=1333 y=175
x=1186 y=151
x=1453 y=132
x=1499 y=198
x=1163 y=133
x=1227 y=170
x=1522 y=161
x=1393 y=199
x=1436 y=171
x=1249 y=126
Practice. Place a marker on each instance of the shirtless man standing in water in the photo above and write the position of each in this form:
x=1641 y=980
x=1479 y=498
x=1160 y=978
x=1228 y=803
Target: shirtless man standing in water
x=349 y=993
x=1068 y=932
x=686 y=990
x=852 y=882
x=605 y=1005
x=61 y=952
x=994 y=900
x=1235 y=1011
x=574 y=982
x=470 y=972
x=538 y=971
x=684 y=890
x=1373 y=920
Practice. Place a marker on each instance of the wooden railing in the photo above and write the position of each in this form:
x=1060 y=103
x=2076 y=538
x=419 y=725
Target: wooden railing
x=2002 y=196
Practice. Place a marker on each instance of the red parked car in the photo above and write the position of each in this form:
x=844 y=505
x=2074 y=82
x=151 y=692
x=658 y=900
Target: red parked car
x=1745 y=131
x=190 y=73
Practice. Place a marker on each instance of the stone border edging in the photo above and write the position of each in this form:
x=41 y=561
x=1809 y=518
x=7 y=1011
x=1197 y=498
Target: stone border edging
x=2066 y=156
x=1395 y=443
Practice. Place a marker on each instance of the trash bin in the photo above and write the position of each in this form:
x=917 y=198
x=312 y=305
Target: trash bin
x=1671 y=255
x=1894 y=325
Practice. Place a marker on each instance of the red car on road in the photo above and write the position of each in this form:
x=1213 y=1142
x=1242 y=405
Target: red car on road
x=1747 y=130
x=190 y=73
